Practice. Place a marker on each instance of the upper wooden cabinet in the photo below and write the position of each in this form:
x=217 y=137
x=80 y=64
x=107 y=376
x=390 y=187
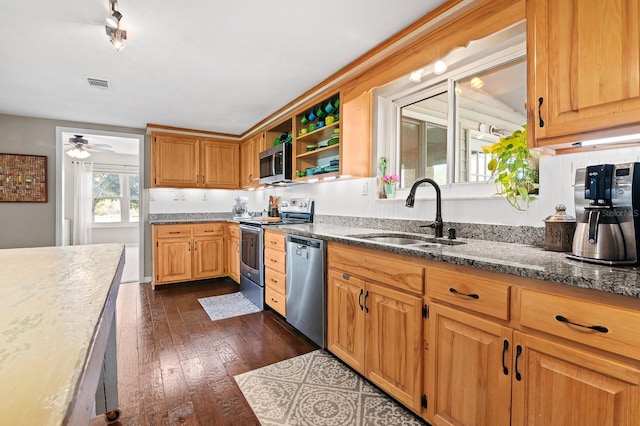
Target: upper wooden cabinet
x=179 y=161
x=584 y=69
x=249 y=161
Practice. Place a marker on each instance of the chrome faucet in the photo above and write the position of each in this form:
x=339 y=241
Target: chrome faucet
x=437 y=224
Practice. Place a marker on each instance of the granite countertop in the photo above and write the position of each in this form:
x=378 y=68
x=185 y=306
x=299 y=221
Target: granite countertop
x=55 y=301
x=510 y=258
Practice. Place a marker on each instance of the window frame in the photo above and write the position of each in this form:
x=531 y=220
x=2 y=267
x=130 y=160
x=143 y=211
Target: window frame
x=388 y=104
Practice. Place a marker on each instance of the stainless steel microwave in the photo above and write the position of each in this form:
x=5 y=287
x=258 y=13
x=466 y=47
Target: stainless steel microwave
x=275 y=164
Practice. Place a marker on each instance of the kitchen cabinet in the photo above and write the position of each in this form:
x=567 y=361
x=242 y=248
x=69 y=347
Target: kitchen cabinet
x=275 y=271
x=219 y=163
x=467 y=381
x=375 y=319
x=174 y=161
x=179 y=161
x=584 y=63
x=555 y=384
x=233 y=251
x=250 y=162
x=489 y=366
x=208 y=250
x=188 y=252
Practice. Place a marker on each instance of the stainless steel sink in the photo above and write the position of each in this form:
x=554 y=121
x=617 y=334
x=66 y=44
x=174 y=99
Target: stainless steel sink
x=417 y=241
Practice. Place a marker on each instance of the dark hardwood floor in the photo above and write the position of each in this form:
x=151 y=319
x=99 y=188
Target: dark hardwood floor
x=176 y=366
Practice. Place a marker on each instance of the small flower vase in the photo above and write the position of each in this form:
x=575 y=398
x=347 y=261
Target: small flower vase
x=390 y=189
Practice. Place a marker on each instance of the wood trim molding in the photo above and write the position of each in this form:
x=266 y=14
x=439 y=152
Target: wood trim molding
x=192 y=132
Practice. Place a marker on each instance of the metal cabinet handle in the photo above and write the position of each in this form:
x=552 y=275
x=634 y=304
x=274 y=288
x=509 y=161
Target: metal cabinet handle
x=598 y=328
x=274 y=300
x=471 y=295
x=195 y=246
x=540 y=100
x=203 y=179
x=518 y=353
x=174 y=232
x=505 y=346
x=188 y=245
x=360 y=299
x=366 y=295
x=197 y=179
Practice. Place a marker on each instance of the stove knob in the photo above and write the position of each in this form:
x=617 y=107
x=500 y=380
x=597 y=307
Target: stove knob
x=303 y=204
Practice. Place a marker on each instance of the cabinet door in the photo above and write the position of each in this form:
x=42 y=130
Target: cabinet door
x=174 y=161
x=234 y=259
x=468 y=383
x=247 y=152
x=393 y=355
x=585 y=59
x=173 y=259
x=208 y=257
x=219 y=164
x=562 y=386
x=345 y=318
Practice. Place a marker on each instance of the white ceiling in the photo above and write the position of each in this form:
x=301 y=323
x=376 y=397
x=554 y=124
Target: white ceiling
x=211 y=65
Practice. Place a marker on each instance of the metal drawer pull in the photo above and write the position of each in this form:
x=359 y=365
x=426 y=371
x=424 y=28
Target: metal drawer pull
x=505 y=346
x=518 y=353
x=540 y=100
x=366 y=295
x=598 y=328
x=174 y=232
x=471 y=295
x=209 y=230
x=360 y=299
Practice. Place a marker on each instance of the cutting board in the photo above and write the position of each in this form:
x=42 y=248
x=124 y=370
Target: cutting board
x=271 y=219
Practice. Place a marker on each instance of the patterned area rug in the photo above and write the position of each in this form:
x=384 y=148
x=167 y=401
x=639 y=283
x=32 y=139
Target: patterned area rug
x=318 y=389
x=227 y=306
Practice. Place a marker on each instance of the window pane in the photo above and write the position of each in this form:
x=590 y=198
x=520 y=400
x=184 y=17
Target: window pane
x=489 y=104
x=134 y=211
x=106 y=210
x=423 y=140
x=134 y=186
x=106 y=185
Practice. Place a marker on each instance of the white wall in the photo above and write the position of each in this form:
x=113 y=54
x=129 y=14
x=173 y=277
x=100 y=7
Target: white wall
x=468 y=203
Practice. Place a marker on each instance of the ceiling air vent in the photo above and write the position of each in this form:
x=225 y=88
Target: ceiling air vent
x=98 y=82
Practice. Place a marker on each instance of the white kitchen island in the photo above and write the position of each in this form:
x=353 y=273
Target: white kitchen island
x=57 y=307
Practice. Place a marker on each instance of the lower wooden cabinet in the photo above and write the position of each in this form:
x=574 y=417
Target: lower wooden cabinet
x=469 y=379
x=233 y=251
x=555 y=384
x=376 y=329
x=188 y=252
x=275 y=271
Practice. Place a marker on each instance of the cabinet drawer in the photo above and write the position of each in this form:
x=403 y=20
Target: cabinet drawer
x=234 y=231
x=275 y=280
x=547 y=312
x=276 y=300
x=208 y=229
x=376 y=266
x=274 y=240
x=171 y=231
x=275 y=260
x=469 y=292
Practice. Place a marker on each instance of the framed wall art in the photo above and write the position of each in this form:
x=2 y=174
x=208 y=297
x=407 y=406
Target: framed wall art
x=23 y=178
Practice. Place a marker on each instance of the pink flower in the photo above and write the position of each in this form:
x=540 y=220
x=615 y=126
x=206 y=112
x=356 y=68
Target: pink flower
x=391 y=178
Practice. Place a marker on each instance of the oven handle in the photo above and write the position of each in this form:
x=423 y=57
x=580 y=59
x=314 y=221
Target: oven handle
x=250 y=228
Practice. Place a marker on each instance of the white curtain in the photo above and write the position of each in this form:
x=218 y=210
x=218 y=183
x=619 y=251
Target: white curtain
x=82 y=203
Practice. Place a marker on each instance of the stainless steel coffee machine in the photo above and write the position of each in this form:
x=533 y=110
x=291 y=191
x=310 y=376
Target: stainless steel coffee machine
x=607 y=206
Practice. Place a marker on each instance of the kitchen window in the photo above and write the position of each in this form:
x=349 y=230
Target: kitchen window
x=436 y=127
x=115 y=198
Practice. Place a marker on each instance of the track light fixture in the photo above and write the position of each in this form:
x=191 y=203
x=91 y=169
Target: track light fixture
x=116 y=34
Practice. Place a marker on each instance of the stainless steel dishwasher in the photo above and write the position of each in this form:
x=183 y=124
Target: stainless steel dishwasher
x=307 y=288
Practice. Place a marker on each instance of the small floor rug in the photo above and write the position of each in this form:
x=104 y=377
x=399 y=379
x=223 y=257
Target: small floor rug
x=227 y=306
x=318 y=389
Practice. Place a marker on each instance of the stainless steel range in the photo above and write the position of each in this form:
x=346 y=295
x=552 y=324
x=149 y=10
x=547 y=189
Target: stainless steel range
x=292 y=210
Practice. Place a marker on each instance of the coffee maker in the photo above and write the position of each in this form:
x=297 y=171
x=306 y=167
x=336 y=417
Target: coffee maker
x=607 y=207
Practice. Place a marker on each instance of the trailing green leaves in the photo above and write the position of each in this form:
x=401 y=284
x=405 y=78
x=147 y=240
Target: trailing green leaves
x=512 y=169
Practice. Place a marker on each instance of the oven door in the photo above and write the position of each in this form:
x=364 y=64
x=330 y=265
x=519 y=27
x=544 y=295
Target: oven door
x=251 y=253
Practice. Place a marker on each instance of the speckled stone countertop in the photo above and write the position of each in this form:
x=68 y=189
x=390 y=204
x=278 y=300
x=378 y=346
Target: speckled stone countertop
x=55 y=303
x=186 y=218
x=510 y=258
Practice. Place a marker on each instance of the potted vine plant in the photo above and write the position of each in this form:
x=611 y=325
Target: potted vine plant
x=513 y=169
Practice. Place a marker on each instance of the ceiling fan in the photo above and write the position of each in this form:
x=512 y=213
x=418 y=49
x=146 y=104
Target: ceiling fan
x=81 y=147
